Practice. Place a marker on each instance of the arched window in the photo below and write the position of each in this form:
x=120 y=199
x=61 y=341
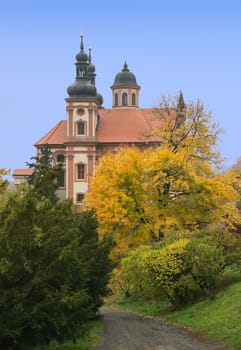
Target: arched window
x=60 y=158
x=116 y=99
x=124 y=99
x=133 y=97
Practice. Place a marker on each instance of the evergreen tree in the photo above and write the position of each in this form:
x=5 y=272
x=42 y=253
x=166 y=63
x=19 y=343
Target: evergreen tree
x=53 y=268
x=45 y=174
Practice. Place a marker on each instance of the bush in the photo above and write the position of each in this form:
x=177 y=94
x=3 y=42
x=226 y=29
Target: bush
x=136 y=271
x=182 y=270
x=205 y=261
x=119 y=283
x=167 y=269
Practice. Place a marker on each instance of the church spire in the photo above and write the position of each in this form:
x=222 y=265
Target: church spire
x=181 y=109
x=91 y=69
x=180 y=103
x=81 y=43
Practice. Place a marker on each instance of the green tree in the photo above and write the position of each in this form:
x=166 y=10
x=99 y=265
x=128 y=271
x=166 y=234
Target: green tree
x=45 y=174
x=53 y=268
x=3 y=185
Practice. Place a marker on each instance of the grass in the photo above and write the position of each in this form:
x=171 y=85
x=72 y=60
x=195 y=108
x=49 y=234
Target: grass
x=150 y=308
x=88 y=342
x=219 y=318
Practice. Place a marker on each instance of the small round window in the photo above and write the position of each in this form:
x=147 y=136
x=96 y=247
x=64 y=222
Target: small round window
x=80 y=111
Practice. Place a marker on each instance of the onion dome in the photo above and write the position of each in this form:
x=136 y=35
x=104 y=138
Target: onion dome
x=91 y=67
x=82 y=88
x=100 y=99
x=84 y=84
x=125 y=78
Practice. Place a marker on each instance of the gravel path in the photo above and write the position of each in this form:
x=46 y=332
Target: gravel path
x=128 y=331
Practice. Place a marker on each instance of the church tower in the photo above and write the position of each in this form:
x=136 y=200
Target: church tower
x=125 y=90
x=82 y=118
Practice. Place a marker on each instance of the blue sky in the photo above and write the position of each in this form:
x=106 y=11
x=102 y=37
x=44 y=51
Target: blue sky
x=172 y=45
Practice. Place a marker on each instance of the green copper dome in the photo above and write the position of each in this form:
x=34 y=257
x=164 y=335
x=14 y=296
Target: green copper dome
x=125 y=78
x=82 y=88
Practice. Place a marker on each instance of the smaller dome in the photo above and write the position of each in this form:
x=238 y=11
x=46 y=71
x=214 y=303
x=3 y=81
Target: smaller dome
x=100 y=99
x=125 y=77
x=82 y=88
x=91 y=68
x=81 y=57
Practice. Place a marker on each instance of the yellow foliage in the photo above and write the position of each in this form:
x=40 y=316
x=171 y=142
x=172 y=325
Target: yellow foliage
x=140 y=195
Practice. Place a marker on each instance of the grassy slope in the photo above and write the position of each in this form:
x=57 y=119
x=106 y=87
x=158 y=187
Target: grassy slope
x=219 y=318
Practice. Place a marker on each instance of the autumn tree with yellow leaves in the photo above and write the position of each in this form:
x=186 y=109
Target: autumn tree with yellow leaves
x=3 y=183
x=140 y=196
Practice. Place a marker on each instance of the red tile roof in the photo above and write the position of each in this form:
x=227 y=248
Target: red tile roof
x=55 y=136
x=126 y=125
x=22 y=172
x=115 y=125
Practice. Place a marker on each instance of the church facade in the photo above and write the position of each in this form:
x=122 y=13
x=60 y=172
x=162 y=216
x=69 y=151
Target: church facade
x=90 y=131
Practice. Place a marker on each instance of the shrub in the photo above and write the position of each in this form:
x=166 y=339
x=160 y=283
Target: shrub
x=167 y=269
x=119 y=282
x=182 y=270
x=136 y=271
x=205 y=261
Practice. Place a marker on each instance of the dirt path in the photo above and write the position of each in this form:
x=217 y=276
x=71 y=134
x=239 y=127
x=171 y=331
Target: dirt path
x=128 y=331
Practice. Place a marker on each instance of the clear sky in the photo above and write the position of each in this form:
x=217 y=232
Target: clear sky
x=171 y=45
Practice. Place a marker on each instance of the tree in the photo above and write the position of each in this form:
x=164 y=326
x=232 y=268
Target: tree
x=237 y=165
x=234 y=177
x=141 y=195
x=53 y=268
x=188 y=127
x=119 y=198
x=185 y=200
x=45 y=174
x=3 y=183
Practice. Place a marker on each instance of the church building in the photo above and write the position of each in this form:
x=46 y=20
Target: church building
x=90 y=131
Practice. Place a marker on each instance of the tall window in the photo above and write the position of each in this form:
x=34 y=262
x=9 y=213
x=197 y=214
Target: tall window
x=80 y=171
x=133 y=97
x=124 y=99
x=61 y=178
x=116 y=99
x=80 y=128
